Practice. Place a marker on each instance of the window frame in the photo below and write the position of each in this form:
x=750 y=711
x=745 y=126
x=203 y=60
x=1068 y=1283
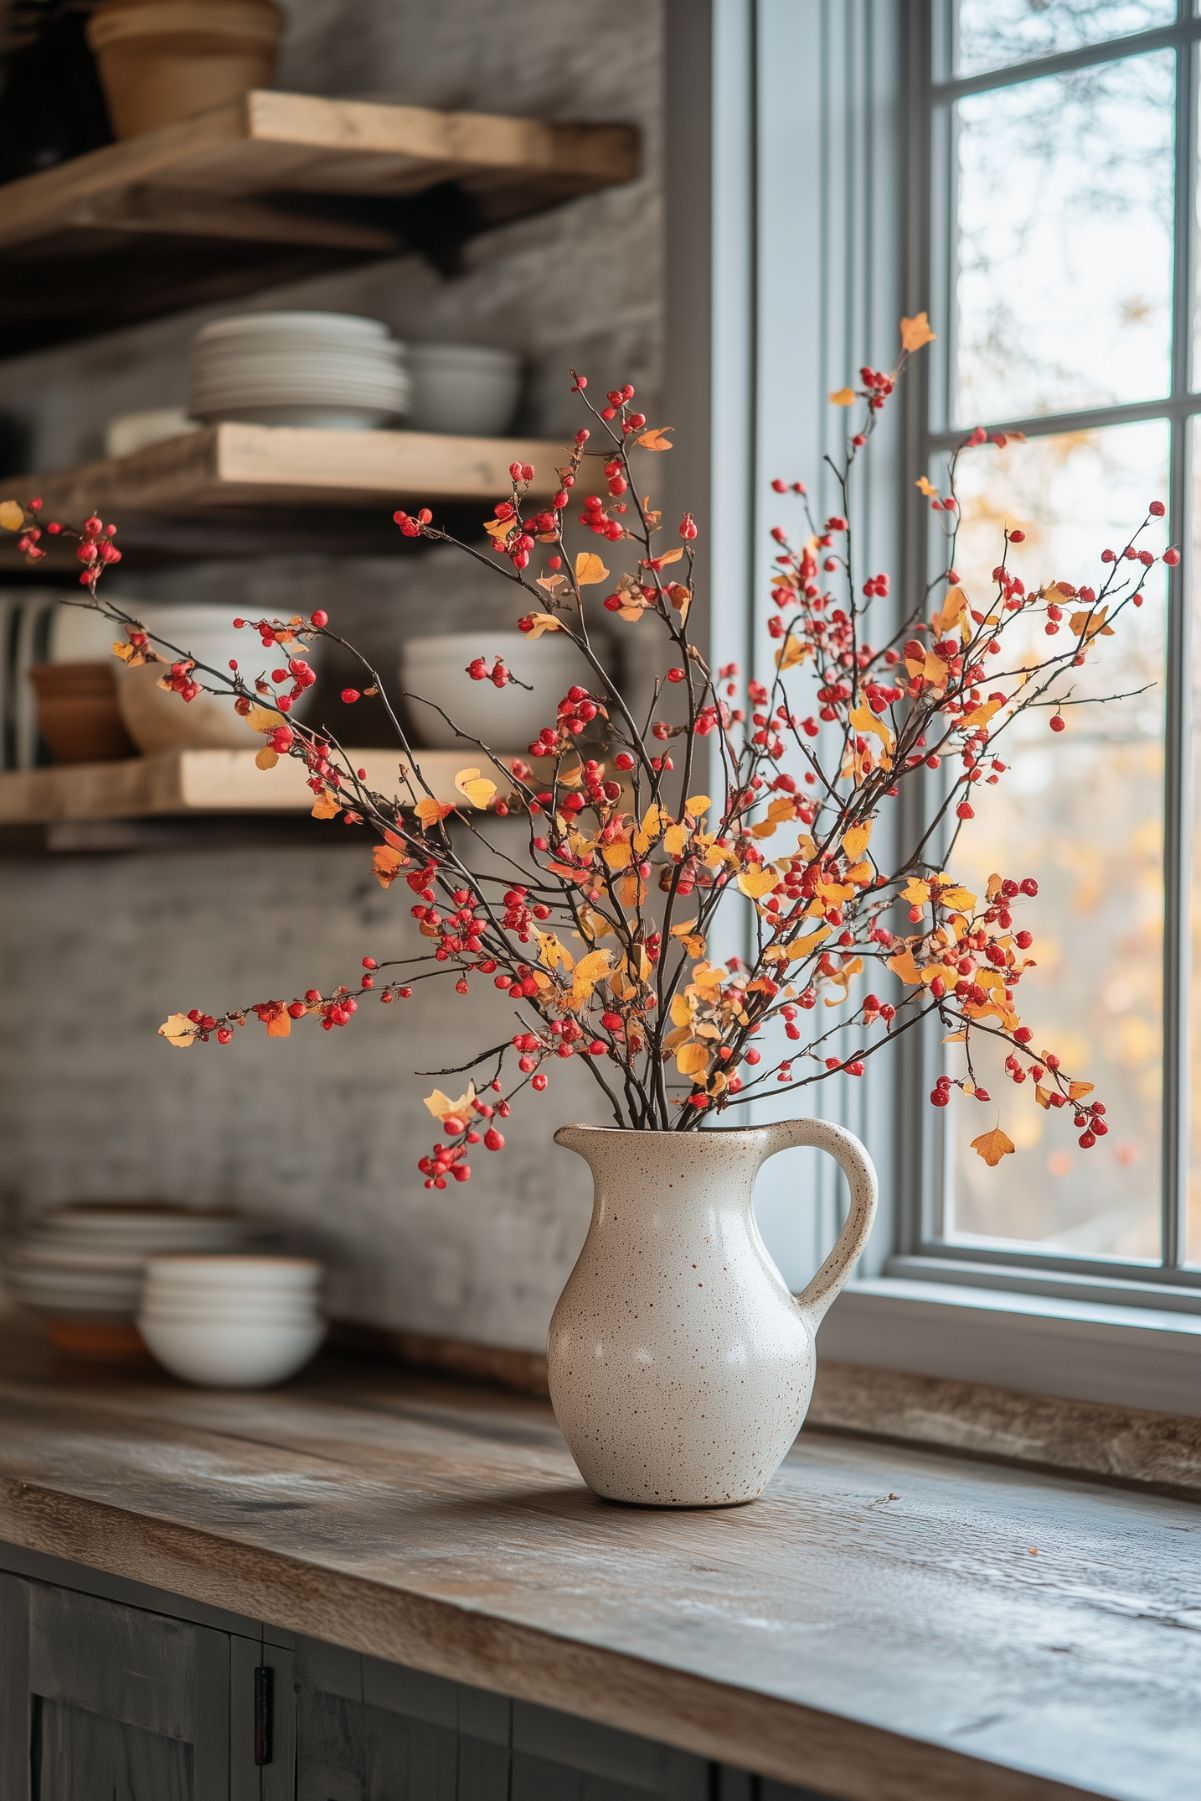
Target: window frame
x=920 y=1248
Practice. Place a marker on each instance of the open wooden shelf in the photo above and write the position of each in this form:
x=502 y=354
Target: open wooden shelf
x=198 y=783
x=268 y=188
x=266 y=487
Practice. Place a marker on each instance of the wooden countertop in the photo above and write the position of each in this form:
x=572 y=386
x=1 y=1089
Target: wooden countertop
x=887 y=1624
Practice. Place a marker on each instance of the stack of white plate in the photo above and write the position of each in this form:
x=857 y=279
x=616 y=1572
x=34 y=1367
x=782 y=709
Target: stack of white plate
x=232 y=1322
x=80 y=1268
x=319 y=369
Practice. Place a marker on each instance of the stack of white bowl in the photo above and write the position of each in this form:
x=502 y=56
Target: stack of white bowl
x=469 y=389
x=318 y=369
x=80 y=1268
x=232 y=1322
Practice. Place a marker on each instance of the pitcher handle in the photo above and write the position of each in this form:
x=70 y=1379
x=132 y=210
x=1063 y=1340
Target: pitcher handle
x=815 y=1299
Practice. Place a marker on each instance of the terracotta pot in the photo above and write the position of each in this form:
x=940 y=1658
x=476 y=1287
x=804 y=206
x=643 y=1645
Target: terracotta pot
x=163 y=60
x=680 y=1365
x=78 y=714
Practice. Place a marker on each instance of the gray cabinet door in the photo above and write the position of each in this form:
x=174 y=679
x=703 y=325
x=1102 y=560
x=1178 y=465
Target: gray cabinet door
x=557 y=1757
x=102 y=1702
x=367 y=1731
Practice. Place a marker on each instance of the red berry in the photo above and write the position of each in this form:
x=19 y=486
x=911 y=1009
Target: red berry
x=350 y=695
x=320 y=618
x=1058 y=723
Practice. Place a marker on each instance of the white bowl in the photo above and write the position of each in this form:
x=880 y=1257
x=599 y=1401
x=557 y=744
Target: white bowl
x=507 y=718
x=240 y=1311
x=242 y=1356
x=462 y=393
x=296 y=1274
x=157 y=720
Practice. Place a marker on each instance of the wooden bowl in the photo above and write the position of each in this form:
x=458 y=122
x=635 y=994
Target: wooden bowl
x=78 y=714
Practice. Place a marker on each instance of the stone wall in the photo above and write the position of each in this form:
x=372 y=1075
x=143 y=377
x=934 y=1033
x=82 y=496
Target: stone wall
x=96 y=950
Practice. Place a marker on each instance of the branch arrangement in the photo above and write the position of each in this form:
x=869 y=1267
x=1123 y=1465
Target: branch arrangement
x=598 y=928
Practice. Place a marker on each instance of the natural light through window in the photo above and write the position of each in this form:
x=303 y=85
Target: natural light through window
x=1061 y=147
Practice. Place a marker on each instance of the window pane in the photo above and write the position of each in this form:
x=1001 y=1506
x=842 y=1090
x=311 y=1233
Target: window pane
x=991 y=33
x=1064 y=242
x=1081 y=811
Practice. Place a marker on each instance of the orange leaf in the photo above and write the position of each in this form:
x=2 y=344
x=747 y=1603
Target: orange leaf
x=589 y=569
x=992 y=1146
x=266 y=758
x=12 y=516
x=843 y=397
x=914 y=333
x=590 y=970
x=386 y=864
x=499 y=529
x=904 y=964
x=953 y=608
x=1078 y=1090
x=926 y=487
x=856 y=840
x=326 y=806
x=260 y=719
x=279 y=1024
x=654 y=439
x=430 y=812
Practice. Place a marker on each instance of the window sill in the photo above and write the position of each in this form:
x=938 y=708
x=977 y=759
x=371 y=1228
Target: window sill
x=1137 y=1357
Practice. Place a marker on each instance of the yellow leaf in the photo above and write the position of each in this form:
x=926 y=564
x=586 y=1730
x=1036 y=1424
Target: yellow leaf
x=266 y=758
x=1078 y=1090
x=856 y=841
x=475 y=787
x=178 y=1031
x=543 y=622
x=843 y=397
x=654 y=439
x=791 y=652
x=707 y=979
x=667 y=557
x=617 y=856
x=589 y=569
x=126 y=653
x=905 y=965
x=755 y=883
x=926 y=486
x=692 y=1059
x=260 y=719
x=590 y=970
x=1092 y=624
x=802 y=947
x=696 y=804
x=442 y=1107
x=956 y=899
x=552 y=952
x=1042 y=1096
x=12 y=516
x=915 y=332
x=981 y=715
x=992 y=1146
x=675 y=840
x=690 y=938
x=499 y=529
x=327 y=805
x=864 y=720
x=953 y=608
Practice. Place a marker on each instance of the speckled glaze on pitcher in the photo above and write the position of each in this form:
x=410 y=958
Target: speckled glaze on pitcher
x=680 y=1364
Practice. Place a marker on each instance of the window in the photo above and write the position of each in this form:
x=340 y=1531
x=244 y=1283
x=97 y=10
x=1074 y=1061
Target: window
x=1053 y=209
x=1025 y=171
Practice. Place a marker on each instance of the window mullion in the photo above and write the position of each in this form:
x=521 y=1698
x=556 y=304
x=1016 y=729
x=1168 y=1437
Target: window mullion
x=1177 y=759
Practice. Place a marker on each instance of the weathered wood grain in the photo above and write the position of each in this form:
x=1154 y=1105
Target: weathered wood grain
x=268 y=187
x=886 y=1624
x=172 y=784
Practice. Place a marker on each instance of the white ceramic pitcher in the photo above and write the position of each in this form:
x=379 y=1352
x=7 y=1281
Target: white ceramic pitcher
x=680 y=1364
